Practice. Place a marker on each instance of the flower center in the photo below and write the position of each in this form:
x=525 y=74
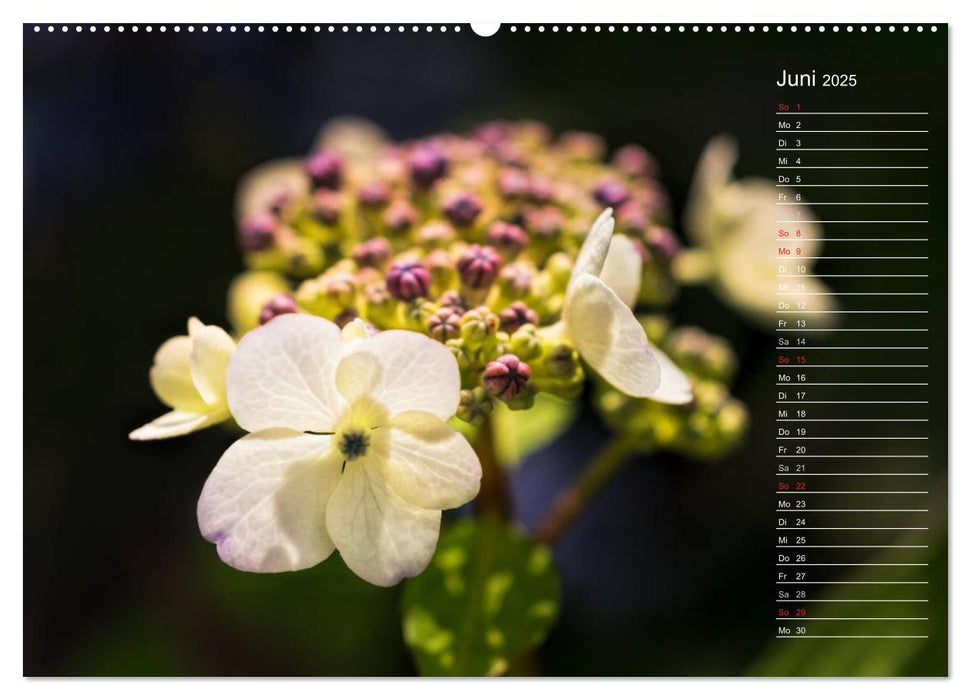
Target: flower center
x=354 y=443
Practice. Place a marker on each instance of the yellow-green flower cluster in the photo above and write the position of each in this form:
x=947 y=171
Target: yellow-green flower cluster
x=470 y=239
x=713 y=424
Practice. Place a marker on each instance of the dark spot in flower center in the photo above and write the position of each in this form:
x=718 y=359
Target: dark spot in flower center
x=354 y=444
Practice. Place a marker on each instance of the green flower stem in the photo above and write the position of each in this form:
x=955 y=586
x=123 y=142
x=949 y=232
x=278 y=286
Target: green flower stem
x=571 y=502
x=494 y=498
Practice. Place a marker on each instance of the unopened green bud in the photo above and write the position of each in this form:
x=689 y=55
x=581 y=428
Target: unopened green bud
x=560 y=360
x=525 y=343
x=248 y=292
x=478 y=326
x=475 y=405
x=560 y=267
x=328 y=294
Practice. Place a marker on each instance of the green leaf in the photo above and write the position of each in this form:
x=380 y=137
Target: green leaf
x=488 y=596
x=520 y=433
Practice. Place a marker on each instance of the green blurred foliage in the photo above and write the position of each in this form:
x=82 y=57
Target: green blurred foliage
x=488 y=596
x=868 y=657
x=520 y=433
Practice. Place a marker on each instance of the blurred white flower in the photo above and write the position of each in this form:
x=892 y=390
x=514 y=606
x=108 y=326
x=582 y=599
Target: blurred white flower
x=348 y=450
x=598 y=321
x=736 y=227
x=189 y=376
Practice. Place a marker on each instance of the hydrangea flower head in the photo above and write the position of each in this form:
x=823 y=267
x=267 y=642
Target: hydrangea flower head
x=474 y=239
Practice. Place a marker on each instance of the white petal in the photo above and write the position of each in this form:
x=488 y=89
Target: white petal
x=381 y=538
x=675 y=386
x=622 y=269
x=282 y=375
x=175 y=423
x=712 y=175
x=171 y=378
x=264 y=504
x=606 y=334
x=417 y=373
x=431 y=464
x=212 y=348
x=593 y=252
x=262 y=185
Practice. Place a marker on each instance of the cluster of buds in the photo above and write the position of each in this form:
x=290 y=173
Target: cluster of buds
x=468 y=238
x=710 y=426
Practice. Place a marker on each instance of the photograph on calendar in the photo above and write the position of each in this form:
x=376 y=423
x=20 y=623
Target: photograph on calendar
x=465 y=350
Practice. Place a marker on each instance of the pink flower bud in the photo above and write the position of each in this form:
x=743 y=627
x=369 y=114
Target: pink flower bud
x=611 y=193
x=634 y=161
x=373 y=195
x=512 y=183
x=325 y=169
x=436 y=233
x=508 y=239
x=663 y=242
x=632 y=218
x=506 y=377
x=462 y=208
x=546 y=222
x=444 y=324
x=408 y=280
x=453 y=300
x=478 y=266
x=516 y=316
x=326 y=207
x=373 y=252
x=540 y=189
x=426 y=164
x=400 y=216
x=257 y=232
x=277 y=305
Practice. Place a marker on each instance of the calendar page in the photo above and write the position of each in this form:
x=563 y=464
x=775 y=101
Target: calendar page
x=466 y=350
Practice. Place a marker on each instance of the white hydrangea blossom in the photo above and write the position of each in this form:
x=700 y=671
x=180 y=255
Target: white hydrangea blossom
x=189 y=376
x=598 y=321
x=348 y=450
x=731 y=222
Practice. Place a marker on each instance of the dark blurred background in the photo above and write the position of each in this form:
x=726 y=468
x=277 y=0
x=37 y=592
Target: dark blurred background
x=133 y=147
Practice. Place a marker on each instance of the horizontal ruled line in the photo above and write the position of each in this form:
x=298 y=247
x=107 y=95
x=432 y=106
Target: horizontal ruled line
x=851 y=131
x=855 y=564
x=851 y=384
x=852 y=294
x=887 y=402
x=844 y=366
x=853 y=204
x=851 y=221
x=852 y=600
x=852 y=347
x=852 y=618
x=852 y=636
x=851 y=456
x=855 y=185
x=878 y=437
x=799 y=475
x=800 y=148
x=837 y=240
x=851 y=546
x=852 y=528
x=851 y=510
x=851 y=167
x=800 y=113
x=853 y=583
x=852 y=330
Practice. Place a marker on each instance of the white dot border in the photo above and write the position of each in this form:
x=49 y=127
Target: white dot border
x=510 y=28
